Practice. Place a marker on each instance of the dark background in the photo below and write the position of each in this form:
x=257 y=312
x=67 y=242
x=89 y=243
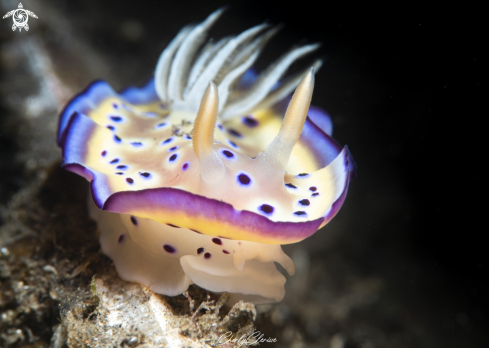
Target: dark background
x=403 y=84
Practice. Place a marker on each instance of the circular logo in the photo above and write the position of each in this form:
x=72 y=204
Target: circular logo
x=20 y=17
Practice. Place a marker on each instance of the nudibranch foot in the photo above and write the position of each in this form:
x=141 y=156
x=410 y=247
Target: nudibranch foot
x=197 y=177
x=167 y=259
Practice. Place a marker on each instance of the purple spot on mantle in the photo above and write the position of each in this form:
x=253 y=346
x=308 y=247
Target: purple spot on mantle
x=160 y=125
x=291 y=185
x=185 y=166
x=134 y=221
x=173 y=157
x=115 y=106
x=200 y=251
x=122 y=166
x=234 y=133
x=233 y=144
x=121 y=238
x=243 y=179
x=103 y=153
x=300 y=213
x=225 y=251
x=173 y=225
x=119 y=173
x=116 y=118
x=129 y=180
x=137 y=144
x=167 y=141
x=207 y=255
x=216 y=241
x=304 y=202
x=111 y=127
x=313 y=188
x=171 y=149
x=315 y=194
x=227 y=154
x=249 y=121
x=169 y=249
x=266 y=208
x=302 y=175
x=145 y=174
x=117 y=139
x=115 y=160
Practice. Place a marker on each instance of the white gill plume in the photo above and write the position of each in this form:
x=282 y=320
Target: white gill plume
x=184 y=69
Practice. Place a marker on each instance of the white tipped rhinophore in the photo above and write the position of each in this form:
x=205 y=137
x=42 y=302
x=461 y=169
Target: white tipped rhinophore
x=211 y=167
x=184 y=69
x=278 y=152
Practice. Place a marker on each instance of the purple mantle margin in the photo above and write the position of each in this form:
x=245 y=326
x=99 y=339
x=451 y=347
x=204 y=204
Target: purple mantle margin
x=171 y=199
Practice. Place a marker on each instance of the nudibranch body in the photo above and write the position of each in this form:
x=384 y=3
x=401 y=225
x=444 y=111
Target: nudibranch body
x=198 y=177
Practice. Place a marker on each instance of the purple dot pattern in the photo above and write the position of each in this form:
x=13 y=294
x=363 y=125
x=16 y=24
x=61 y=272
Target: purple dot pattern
x=169 y=249
x=121 y=238
x=225 y=251
x=117 y=123
x=217 y=241
x=200 y=251
x=207 y=256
